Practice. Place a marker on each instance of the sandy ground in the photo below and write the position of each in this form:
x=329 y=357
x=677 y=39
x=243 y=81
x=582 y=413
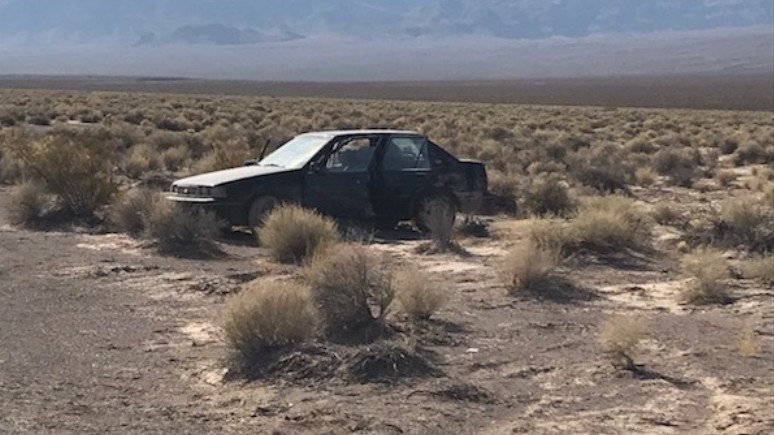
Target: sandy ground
x=101 y=335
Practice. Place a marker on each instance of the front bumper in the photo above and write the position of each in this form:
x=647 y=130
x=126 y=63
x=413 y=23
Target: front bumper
x=233 y=213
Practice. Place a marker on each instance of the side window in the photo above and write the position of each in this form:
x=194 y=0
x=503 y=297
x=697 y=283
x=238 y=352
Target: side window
x=351 y=155
x=405 y=153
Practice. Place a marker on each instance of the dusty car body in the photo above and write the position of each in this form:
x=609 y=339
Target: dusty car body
x=381 y=176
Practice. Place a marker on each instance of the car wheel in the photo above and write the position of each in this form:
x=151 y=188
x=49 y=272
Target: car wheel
x=259 y=210
x=435 y=213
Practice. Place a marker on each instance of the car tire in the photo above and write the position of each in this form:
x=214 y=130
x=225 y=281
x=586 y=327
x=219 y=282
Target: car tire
x=437 y=206
x=259 y=210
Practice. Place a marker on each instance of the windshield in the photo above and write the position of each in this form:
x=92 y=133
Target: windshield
x=295 y=153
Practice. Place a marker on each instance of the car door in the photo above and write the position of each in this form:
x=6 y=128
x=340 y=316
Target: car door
x=402 y=173
x=337 y=183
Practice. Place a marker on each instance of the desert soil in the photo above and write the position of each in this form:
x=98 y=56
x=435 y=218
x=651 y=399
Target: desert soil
x=99 y=334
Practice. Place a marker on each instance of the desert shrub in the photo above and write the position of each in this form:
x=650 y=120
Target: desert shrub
x=619 y=336
x=548 y=196
x=611 y=223
x=665 y=214
x=352 y=288
x=748 y=221
x=268 y=314
x=505 y=189
x=174 y=158
x=750 y=153
x=677 y=164
x=77 y=169
x=760 y=268
x=28 y=203
x=728 y=146
x=528 y=267
x=418 y=295
x=181 y=230
x=228 y=156
x=707 y=272
x=294 y=234
x=39 y=119
x=552 y=236
x=725 y=178
x=139 y=160
x=645 y=176
x=131 y=211
x=439 y=220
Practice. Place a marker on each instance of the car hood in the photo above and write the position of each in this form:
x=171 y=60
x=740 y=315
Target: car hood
x=212 y=179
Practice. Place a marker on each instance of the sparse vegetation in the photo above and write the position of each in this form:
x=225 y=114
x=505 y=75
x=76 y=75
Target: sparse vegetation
x=548 y=196
x=181 y=231
x=619 y=337
x=268 y=314
x=707 y=273
x=666 y=214
x=294 y=234
x=747 y=221
x=131 y=211
x=352 y=289
x=760 y=268
x=610 y=223
x=28 y=204
x=528 y=267
x=418 y=295
x=74 y=167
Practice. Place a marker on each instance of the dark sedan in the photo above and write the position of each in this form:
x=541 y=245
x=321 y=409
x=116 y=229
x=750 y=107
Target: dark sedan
x=380 y=176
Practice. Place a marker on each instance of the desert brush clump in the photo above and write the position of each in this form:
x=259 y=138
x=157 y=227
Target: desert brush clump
x=266 y=315
x=528 y=267
x=294 y=234
x=418 y=295
x=182 y=231
x=76 y=168
x=28 y=204
x=707 y=273
x=610 y=223
x=619 y=337
x=760 y=268
x=131 y=210
x=352 y=288
x=548 y=196
x=747 y=221
x=438 y=219
x=678 y=164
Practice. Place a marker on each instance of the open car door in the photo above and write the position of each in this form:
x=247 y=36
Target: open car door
x=338 y=182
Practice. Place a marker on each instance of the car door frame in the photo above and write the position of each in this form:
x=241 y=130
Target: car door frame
x=344 y=195
x=395 y=192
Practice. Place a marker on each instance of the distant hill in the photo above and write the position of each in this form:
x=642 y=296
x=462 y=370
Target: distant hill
x=346 y=40
x=236 y=21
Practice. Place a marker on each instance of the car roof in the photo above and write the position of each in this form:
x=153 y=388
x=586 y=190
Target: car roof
x=337 y=133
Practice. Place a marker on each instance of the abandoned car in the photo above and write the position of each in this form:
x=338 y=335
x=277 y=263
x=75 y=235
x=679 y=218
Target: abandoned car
x=380 y=176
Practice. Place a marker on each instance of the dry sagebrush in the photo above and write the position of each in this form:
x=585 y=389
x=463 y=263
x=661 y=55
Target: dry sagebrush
x=619 y=337
x=528 y=267
x=352 y=288
x=707 y=273
x=294 y=234
x=266 y=315
x=418 y=295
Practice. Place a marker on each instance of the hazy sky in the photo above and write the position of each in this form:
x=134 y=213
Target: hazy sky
x=385 y=40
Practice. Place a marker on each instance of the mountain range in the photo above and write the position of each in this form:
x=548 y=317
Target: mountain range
x=361 y=40
x=235 y=22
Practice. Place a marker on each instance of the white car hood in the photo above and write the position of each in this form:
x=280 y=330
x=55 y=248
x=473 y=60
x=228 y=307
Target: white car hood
x=212 y=179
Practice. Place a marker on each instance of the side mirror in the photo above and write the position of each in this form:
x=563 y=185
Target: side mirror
x=315 y=167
